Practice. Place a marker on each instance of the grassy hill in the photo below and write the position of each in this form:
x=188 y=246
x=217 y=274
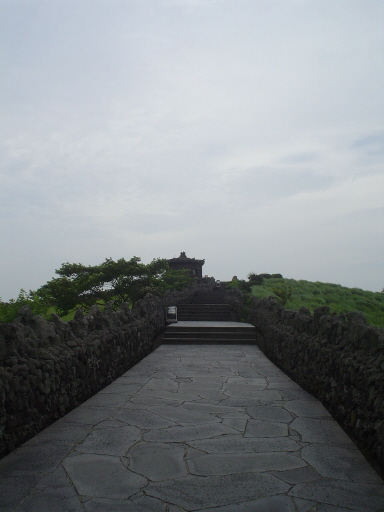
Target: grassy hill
x=313 y=295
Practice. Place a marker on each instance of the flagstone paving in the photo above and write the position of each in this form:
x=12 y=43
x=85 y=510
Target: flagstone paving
x=203 y=428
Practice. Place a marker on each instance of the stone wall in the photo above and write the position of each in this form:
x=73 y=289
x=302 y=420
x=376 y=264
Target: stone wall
x=235 y=299
x=49 y=367
x=337 y=358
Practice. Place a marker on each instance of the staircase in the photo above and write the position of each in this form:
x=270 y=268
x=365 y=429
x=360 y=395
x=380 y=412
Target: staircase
x=211 y=333
x=208 y=320
x=206 y=306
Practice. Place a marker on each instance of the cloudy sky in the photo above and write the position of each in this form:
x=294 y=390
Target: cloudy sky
x=249 y=133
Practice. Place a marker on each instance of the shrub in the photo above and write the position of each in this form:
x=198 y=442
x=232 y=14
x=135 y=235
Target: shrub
x=9 y=310
x=283 y=292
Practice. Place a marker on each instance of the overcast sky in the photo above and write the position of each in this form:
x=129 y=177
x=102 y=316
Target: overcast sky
x=249 y=133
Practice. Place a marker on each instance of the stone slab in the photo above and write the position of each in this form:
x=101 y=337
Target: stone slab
x=193 y=323
x=269 y=413
x=307 y=409
x=181 y=434
x=101 y=476
x=53 y=492
x=258 y=428
x=143 y=419
x=195 y=493
x=270 y=504
x=323 y=431
x=355 y=496
x=234 y=463
x=184 y=416
x=340 y=463
x=110 y=441
x=140 y=504
x=158 y=461
x=239 y=444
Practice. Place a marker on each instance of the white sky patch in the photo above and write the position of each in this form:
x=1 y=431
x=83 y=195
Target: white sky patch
x=247 y=133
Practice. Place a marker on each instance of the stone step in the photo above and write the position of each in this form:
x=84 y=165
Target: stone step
x=206 y=333
x=176 y=329
x=207 y=341
x=175 y=334
x=209 y=299
x=201 y=312
x=204 y=310
x=205 y=318
x=196 y=307
x=209 y=326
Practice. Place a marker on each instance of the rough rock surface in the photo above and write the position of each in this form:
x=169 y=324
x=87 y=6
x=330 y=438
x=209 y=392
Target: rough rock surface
x=49 y=367
x=337 y=358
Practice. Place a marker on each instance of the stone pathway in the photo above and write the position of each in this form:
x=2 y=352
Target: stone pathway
x=193 y=428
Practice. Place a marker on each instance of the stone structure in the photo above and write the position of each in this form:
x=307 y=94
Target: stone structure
x=47 y=368
x=183 y=262
x=337 y=358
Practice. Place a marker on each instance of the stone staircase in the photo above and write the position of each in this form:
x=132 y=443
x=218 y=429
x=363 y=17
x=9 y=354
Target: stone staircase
x=211 y=333
x=206 y=306
x=208 y=320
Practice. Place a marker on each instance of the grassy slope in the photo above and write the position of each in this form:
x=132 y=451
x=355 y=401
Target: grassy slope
x=338 y=298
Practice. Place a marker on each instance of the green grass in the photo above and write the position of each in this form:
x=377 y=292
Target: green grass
x=71 y=315
x=66 y=318
x=338 y=298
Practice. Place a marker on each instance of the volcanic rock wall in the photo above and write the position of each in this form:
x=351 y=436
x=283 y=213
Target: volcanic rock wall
x=337 y=358
x=49 y=367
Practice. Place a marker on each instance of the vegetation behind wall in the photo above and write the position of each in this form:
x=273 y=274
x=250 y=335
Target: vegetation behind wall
x=340 y=299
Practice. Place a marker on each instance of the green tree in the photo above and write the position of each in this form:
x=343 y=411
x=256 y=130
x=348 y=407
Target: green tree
x=175 y=280
x=9 y=310
x=121 y=280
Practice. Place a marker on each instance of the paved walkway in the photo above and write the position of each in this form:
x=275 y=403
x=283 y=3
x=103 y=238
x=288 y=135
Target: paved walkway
x=193 y=428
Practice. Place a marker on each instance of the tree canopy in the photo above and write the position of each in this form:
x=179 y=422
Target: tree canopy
x=121 y=280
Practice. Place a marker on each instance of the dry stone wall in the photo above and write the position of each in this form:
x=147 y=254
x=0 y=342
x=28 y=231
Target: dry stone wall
x=235 y=299
x=49 y=367
x=337 y=358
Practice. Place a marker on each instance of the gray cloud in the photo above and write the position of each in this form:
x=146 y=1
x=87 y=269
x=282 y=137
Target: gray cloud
x=249 y=134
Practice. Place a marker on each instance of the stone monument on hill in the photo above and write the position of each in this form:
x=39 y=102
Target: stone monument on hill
x=183 y=262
